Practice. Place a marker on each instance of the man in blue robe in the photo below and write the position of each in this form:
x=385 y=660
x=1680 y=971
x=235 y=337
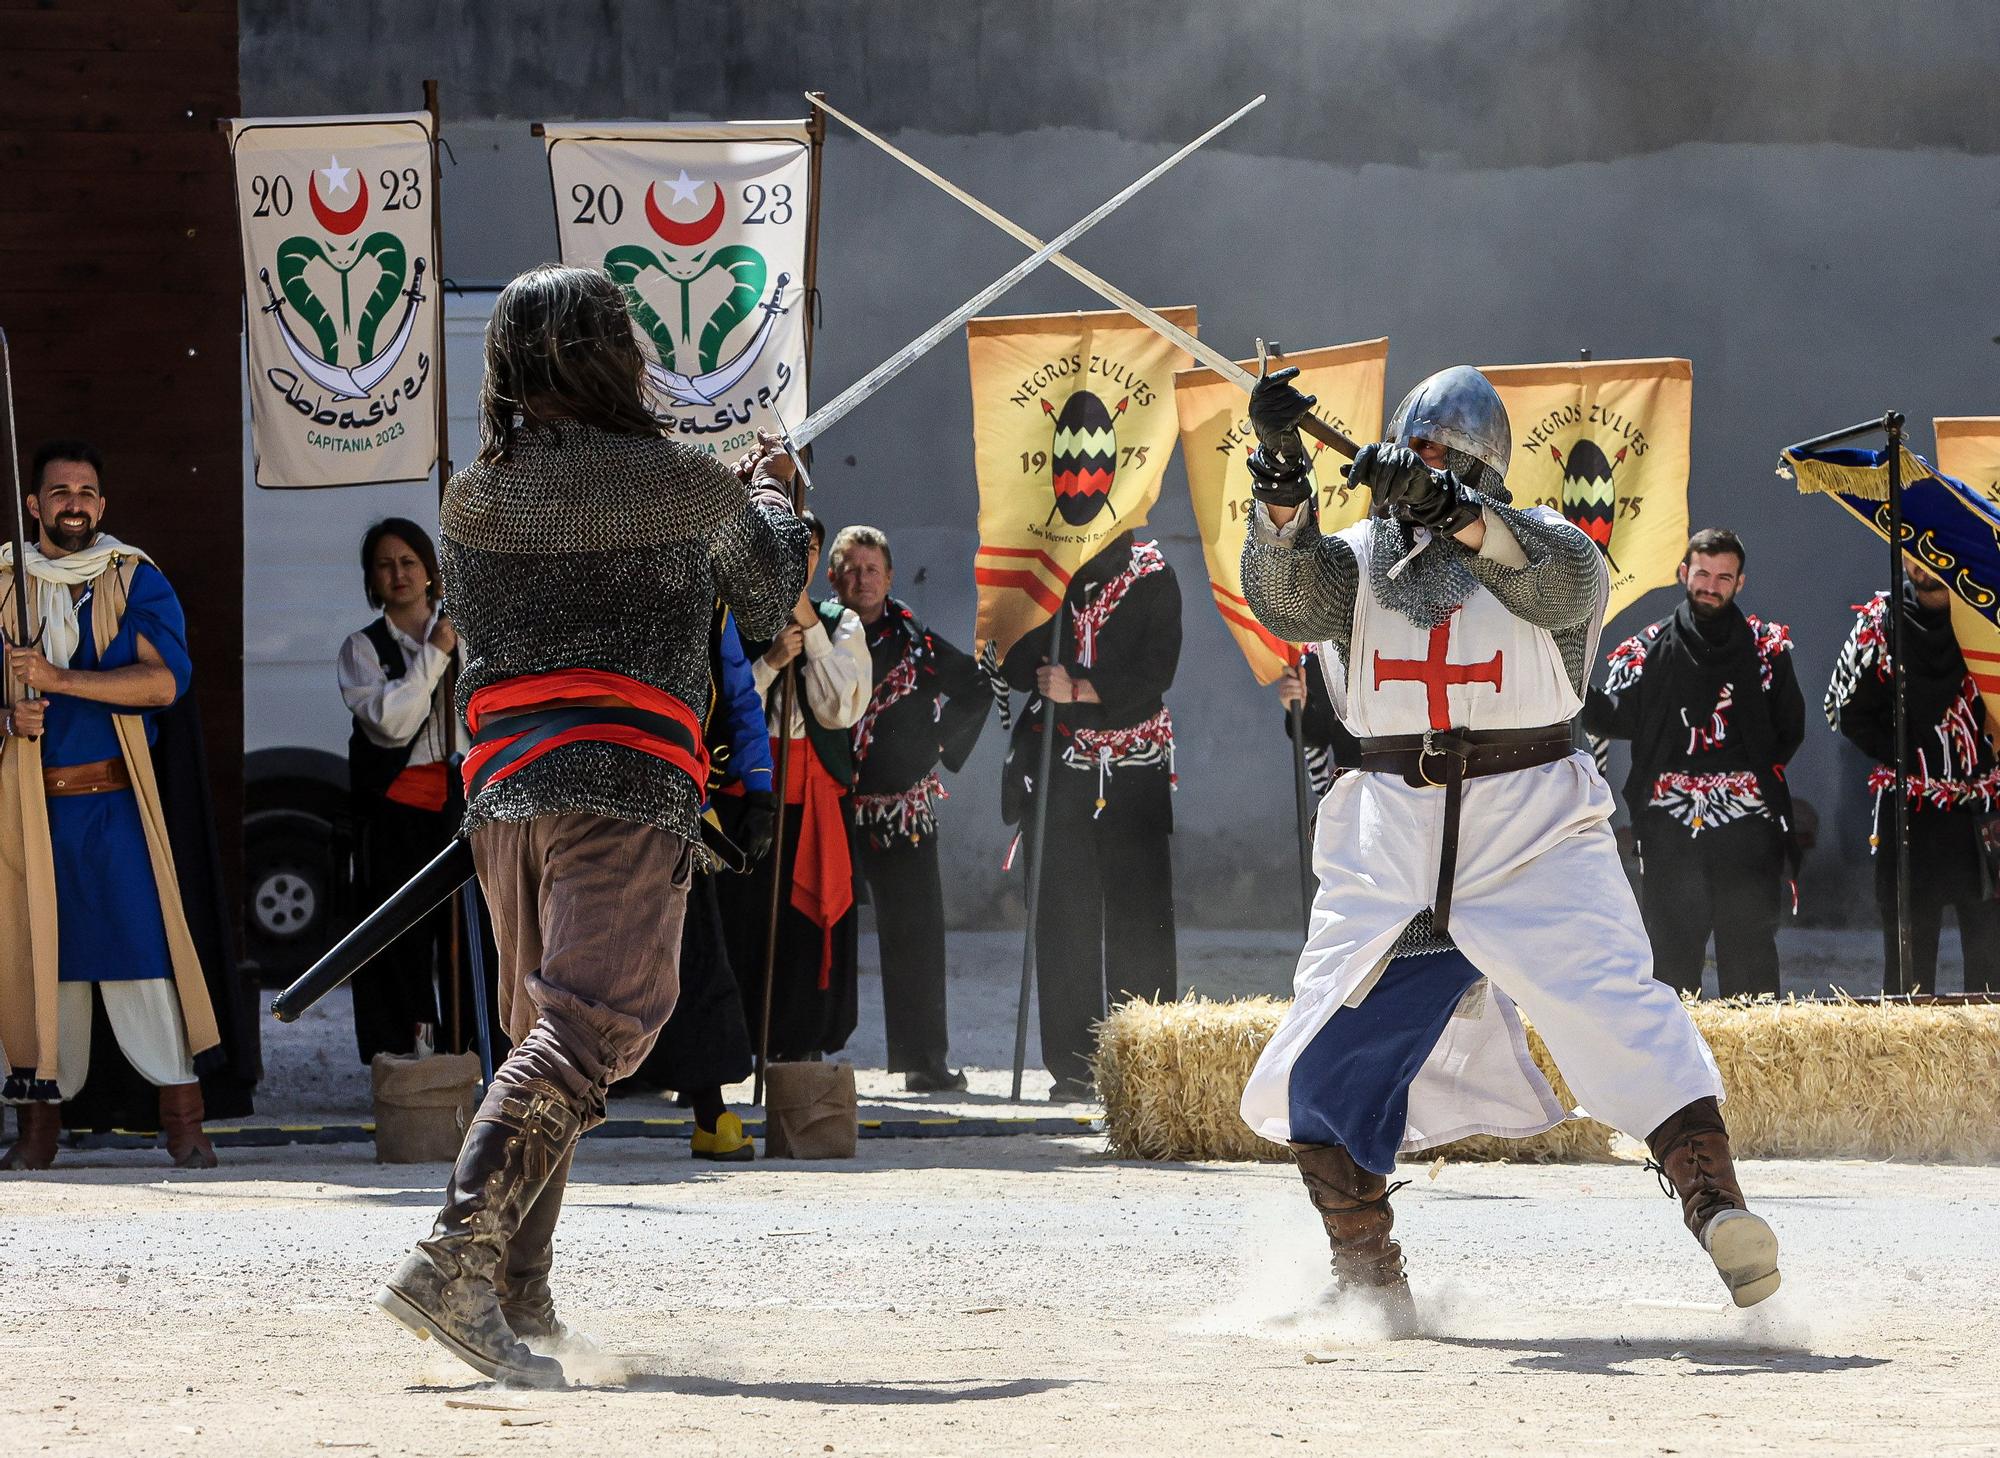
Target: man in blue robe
x=110 y=652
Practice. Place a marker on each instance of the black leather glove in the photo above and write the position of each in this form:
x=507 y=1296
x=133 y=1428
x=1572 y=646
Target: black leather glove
x=758 y=827
x=1408 y=490
x=1280 y=474
x=1276 y=408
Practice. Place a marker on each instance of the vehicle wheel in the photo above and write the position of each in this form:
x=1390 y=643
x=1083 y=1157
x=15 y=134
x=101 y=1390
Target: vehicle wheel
x=288 y=892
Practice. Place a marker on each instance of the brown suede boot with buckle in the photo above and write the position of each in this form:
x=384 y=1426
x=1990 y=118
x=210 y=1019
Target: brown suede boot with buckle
x=1353 y=1204
x=181 y=1113
x=1691 y=1157
x=449 y=1287
x=36 y=1147
x=525 y=1298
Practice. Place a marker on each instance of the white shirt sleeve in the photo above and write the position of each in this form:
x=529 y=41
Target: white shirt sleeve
x=392 y=711
x=838 y=671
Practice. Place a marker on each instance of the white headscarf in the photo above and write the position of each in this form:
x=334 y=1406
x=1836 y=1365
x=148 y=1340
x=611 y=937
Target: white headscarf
x=54 y=577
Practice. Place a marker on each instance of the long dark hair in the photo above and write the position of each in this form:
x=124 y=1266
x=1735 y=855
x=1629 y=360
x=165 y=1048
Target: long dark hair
x=560 y=346
x=411 y=535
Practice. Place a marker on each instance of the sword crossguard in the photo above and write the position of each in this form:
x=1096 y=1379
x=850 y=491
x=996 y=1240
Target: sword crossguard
x=777 y=293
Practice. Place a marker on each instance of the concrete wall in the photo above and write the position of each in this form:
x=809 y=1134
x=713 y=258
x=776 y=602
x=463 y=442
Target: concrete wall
x=1797 y=196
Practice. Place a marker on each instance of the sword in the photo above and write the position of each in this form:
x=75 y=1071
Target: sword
x=1214 y=358
x=827 y=414
x=449 y=869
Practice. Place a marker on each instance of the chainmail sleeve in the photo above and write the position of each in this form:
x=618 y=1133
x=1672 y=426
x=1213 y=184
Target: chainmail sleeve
x=1562 y=586
x=761 y=557
x=1300 y=584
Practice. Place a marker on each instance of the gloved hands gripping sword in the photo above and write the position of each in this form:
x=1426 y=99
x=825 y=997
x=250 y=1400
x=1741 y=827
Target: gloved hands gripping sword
x=1410 y=491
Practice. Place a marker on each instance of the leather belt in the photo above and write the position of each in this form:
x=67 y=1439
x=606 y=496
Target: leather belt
x=1444 y=759
x=96 y=778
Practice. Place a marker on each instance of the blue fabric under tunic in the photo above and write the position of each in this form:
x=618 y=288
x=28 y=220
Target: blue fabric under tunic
x=108 y=922
x=1351 y=1086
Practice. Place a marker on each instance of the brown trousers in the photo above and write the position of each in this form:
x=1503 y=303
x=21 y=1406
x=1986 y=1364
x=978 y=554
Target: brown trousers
x=587 y=913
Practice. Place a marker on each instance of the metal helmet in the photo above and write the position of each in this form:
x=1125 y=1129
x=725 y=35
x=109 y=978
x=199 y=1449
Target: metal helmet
x=1460 y=410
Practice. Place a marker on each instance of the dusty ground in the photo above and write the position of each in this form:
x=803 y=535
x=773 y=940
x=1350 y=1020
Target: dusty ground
x=998 y=1296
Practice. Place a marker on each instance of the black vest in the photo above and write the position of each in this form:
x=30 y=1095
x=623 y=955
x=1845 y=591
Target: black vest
x=371 y=769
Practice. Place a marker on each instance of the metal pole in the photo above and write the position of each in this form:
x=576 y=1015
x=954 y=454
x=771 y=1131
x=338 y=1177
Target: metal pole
x=1037 y=837
x=1892 y=426
x=1302 y=793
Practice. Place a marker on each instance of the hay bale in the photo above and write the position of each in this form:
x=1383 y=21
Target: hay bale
x=1857 y=1080
x=1840 y=1079
x=1172 y=1074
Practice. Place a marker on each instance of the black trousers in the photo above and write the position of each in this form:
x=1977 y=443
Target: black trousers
x=1945 y=870
x=1728 y=880
x=1106 y=918
x=403 y=984
x=397 y=989
x=908 y=897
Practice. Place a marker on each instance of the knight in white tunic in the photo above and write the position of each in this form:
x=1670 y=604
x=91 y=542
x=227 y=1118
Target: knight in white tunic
x=1468 y=869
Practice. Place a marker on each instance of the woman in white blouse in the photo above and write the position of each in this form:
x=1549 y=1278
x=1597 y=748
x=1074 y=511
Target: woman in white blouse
x=396 y=678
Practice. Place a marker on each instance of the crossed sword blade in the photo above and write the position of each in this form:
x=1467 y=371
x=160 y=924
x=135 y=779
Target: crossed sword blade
x=817 y=423
x=1214 y=358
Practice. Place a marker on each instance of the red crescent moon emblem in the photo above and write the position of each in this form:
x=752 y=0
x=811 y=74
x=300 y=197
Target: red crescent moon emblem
x=338 y=223
x=684 y=235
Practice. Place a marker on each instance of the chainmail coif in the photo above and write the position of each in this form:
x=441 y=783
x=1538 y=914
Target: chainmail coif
x=586 y=549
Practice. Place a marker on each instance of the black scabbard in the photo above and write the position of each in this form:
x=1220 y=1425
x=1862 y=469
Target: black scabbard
x=450 y=869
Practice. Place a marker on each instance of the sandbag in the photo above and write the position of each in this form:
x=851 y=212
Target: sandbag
x=810 y=1111
x=423 y=1105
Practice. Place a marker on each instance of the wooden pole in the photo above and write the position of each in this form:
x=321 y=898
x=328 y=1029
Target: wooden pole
x=788 y=684
x=1302 y=796
x=461 y=929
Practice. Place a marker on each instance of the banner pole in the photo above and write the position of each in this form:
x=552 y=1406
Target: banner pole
x=1302 y=794
x=441 y=403
x=1037 y=836
x=816 y=141
x=788 y=684
x=787 y=689
x=1892 y=426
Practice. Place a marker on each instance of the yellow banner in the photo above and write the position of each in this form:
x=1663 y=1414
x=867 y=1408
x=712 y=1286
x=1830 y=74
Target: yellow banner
x=1606 y=443
x=1072 y=427
x=1968 y=448
x=1216 y=441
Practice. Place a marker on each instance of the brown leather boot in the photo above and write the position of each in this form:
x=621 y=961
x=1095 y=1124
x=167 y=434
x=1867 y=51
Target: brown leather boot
x=449 y=1286
x=525 y=1298
x=36 y=1146
x=1691 y=1156
x=181 y=1114
x=1353 y=1204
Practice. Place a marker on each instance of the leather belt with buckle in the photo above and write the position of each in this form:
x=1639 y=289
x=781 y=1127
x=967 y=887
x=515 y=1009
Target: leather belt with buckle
x=96 y=778
x=1444 y=759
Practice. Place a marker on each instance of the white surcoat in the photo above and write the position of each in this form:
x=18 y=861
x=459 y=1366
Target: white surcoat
x=1540 y=903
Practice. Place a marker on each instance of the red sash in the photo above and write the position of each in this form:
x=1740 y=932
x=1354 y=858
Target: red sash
x=823 y=875
x=534 y=720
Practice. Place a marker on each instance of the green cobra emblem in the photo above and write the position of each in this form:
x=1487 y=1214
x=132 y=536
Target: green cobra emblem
x=296 y=256
x=628 y=264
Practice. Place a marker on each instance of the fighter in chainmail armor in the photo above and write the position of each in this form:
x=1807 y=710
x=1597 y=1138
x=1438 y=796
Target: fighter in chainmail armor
x=1470 y=866
x=582 y=557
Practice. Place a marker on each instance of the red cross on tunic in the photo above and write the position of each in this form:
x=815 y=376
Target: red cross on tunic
x=1436 y=674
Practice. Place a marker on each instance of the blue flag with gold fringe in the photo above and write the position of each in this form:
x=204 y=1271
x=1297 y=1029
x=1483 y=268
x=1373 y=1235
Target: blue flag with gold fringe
x=1947 y=525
